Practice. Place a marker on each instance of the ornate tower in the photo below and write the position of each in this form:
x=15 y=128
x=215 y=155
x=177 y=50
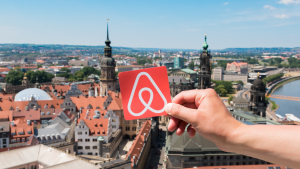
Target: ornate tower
x=257 y=97
x=25 y=81
x=108 y=77
x=204 y=74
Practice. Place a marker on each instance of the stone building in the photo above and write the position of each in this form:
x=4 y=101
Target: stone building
x=186 y=73
x=59 y=80
x=257 y=98
x=108 y=64
x=240 y=67
x=220 y=74
x=178 y=84
x=204 y=74
x=140 y=148
x=4 y=132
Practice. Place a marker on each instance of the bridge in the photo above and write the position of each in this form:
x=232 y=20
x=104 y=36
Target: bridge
x=284 y=97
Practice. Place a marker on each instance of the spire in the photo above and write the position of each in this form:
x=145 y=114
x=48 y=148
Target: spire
x=107 y=42
x=205 y=45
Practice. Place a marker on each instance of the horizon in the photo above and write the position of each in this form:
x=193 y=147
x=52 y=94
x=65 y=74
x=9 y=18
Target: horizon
x=162 y=25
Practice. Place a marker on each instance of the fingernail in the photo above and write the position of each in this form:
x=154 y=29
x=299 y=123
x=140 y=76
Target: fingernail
x=168 y=108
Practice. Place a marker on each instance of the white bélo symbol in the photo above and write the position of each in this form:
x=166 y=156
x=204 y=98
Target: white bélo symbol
x=147 y=105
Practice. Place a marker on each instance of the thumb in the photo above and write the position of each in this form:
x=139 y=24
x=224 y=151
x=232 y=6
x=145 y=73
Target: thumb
x=183 y=113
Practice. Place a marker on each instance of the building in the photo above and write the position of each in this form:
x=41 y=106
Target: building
x=96 y=127
x=4 y=133
x=41 y=156
x=240 y=67
x=178 y=84
x=59 y=80
x=263 y=166
x=74 y=62
x=178 y=63
x=257 y=98
x=204 y=73
x=140 y=148
x=239 y=103
x=108 y=64
x=188 y=74
x=220 y=74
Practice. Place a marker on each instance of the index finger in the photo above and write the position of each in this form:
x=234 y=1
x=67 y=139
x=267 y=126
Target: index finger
x=185 y=97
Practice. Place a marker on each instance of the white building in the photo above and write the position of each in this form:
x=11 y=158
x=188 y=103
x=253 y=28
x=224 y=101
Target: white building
x=93 y=124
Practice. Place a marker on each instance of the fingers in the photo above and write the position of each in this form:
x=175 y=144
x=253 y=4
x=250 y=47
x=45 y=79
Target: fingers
x=191 y=131
x=185 y=97
x=173 y=123
x=183 y=113
x=181 y=128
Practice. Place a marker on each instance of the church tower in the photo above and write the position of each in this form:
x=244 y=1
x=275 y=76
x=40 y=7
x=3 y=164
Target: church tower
x=257 y=98
x=25 y=81
x=108 y=76
x=204 y=73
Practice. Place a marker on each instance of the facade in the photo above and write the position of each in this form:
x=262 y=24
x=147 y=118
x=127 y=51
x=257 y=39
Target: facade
x=220 y=74
x=95 y=127
x=257 y=98
x=186 y=73
x=108 y=65
x=178 y=63
x=78 y=62
x=59 y=80
x=178 y=84
x=140 y=148
x=240 y=103
x=240 y=67
x=4 y=134
x=204 y=74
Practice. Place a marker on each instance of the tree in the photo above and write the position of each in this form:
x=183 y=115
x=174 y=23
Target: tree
x=239 y=82
x=14 y=77
x=191 y=65
x=39 y=65
x=230 y=99
x=65 y=69
x=42 y=76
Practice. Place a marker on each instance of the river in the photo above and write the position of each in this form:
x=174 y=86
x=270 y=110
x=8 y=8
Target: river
x=288 y=106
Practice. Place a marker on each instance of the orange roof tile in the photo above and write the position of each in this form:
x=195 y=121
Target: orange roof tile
x=21 y=126
x=137 y=145
x=261 y=166
x=98 y=127
x=6 y=115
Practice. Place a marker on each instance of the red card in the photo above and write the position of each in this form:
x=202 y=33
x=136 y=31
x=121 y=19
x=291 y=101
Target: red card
x=144 y=92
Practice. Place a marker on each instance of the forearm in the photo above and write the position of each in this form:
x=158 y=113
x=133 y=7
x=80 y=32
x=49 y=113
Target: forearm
x=268 y=142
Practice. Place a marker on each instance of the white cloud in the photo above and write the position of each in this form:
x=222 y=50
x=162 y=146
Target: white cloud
x=226 y=3
x=287 y=2
x=283 y=16
x=269 y=7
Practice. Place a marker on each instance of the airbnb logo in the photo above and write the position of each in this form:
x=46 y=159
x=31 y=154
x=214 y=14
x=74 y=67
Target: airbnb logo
x=141 y=85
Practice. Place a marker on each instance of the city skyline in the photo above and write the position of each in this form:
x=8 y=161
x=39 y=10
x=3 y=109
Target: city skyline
x=228 y=24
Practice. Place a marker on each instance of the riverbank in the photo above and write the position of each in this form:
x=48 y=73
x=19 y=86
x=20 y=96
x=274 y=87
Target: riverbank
x=282 y=83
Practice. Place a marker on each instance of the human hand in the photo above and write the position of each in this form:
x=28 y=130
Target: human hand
x=206 y=114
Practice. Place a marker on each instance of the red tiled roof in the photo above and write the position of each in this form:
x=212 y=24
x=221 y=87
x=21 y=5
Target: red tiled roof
x=4 y=70
x=21 y=126
x=98 y=127
x=55 y=103
x=28 y=115
x=5 y=105
x=137 y=145
x=6 y=115
x=82 y=101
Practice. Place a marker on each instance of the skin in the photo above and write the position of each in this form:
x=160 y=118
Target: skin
x=208 y=116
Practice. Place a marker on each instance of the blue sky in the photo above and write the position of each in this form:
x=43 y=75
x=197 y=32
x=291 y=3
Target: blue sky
x=152 y=24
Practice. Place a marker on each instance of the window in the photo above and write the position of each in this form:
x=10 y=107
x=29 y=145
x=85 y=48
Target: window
x=133 y=128
x=114 y=126
x=134 y=121
x=94 y=140
x=126 y=122
x=4 y=141
x=87 y=147
x=127 y=128
x=86 y=133
x=87 y=140
x=79 y=140
x=89 y=153
x=113 y=120
x=192 y=158
x=80 y=133
x=79 y=147
x=95 y=147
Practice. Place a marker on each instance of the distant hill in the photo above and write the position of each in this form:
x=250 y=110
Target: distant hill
x=260 y=50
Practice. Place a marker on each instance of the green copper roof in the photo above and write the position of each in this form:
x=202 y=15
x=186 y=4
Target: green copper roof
x=205 y=45
x=100 y=138
x=190 y=71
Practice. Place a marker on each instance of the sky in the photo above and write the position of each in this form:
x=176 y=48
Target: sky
x=152 y=24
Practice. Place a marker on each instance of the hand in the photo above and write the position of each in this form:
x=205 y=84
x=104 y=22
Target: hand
x=206 y=114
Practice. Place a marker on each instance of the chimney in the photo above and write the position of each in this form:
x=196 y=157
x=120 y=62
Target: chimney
x=12 y=123
x=144 y=137
x=9 y=98
x=34 y=107
x=0 y=99
x=28 y=122
x=26 y=108
x=17 y=108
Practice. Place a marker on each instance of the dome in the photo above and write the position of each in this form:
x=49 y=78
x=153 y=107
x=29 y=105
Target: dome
x=258 y=82
x=36 y=93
